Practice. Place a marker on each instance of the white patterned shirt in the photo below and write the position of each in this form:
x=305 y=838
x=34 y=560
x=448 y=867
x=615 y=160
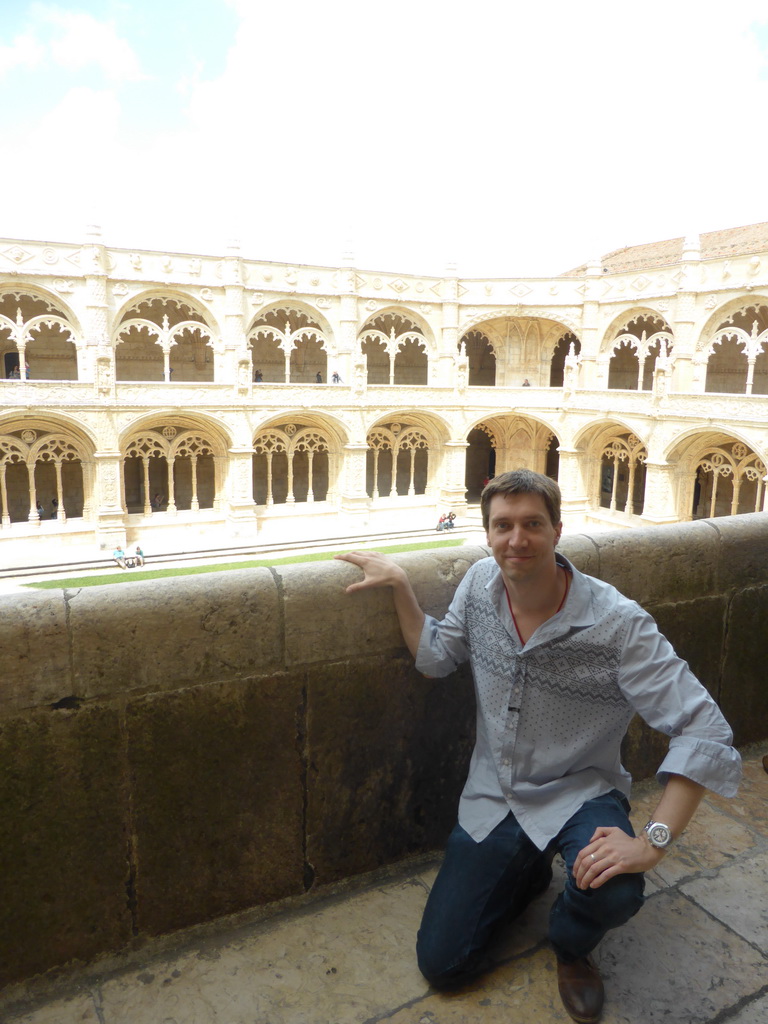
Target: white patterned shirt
x=551 y=714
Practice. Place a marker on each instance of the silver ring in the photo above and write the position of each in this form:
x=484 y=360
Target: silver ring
x=593 y=856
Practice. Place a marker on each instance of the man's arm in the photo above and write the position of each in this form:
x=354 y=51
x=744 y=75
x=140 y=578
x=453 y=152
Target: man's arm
x=380 y=571
x=616 y=853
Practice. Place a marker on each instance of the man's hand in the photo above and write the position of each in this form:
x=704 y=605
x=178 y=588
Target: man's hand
x=612 y=852
x=379 y=570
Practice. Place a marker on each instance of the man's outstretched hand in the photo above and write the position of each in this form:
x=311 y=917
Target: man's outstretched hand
x=379 y=571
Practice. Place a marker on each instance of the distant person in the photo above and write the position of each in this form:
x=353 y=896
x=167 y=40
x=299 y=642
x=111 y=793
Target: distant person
x=258 y=376
x=138 y=555
x=54 y=508
x=526 y=383
x=157 y=501
x=40 y=510
x=318 y=378
x=119 y=556
x=336 y=378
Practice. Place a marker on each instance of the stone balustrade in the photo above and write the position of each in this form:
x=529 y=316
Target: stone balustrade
x=176 y=750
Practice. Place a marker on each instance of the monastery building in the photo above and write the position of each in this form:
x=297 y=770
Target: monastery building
x=157 y=396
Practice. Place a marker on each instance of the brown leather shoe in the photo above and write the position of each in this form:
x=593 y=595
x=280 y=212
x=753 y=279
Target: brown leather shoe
x=581 y=989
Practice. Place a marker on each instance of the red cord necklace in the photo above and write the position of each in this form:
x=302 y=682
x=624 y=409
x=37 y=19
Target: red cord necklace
x=559 y=607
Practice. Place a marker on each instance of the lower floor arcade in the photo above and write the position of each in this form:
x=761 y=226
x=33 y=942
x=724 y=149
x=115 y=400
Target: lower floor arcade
x=172 y=469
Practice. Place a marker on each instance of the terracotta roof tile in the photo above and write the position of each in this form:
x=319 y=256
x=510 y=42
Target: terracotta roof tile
x=742 y=241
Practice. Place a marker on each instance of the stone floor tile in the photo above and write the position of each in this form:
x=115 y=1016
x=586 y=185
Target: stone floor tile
x=521 y=992
x=738 y=896
x=751 y=802
x=78 y=1009
x=342 y=963
x=711 y=841
x=754 y=1013
x=674 y=962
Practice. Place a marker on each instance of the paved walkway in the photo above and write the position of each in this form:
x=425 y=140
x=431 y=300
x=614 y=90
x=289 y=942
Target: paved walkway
x=697 y=952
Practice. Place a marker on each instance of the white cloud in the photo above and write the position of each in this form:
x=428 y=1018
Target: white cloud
x=82 y=41
x=24 y=52
x=511 y=138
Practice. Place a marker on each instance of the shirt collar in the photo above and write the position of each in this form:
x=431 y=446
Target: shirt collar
x=578 y=610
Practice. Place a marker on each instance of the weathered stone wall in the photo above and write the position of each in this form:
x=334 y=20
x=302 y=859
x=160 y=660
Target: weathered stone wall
x=177 y=750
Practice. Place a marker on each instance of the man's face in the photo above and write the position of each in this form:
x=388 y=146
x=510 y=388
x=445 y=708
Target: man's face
x=521 y=536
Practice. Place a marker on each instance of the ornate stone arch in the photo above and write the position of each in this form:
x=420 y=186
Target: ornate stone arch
x=481 y=358
x=401 y=314
x=404 y=453
x=395 y=348
x=291 y=343
x=615 y=458
x=34 y=326
x=516 y=441
x=162 y=336
x=568 y=319
x=523 y=342
x=719 y=474
x=45 y=472
x=734 y=349
x=295 y=460
x=632 y=345
x=173 y=465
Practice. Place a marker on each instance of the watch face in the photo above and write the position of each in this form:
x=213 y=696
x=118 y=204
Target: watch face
x=659 y=834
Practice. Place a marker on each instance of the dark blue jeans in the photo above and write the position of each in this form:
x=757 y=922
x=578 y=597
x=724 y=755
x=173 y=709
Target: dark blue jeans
x=482 y=886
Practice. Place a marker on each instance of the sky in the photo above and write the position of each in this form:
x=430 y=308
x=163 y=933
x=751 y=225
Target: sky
x=503 y=137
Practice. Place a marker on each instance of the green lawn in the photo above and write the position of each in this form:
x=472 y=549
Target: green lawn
x=133 y=575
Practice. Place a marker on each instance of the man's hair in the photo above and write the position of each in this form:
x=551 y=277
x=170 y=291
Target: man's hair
x=522 y=481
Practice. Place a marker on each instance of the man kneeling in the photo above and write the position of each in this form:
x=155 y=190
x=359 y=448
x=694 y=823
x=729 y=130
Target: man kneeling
x=561 y=662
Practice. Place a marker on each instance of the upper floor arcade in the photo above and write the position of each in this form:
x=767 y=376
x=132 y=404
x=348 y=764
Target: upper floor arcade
x=125 y=319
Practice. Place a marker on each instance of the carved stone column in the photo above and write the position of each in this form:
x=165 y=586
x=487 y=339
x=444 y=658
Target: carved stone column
x=572 y=478
x=354 y=498
x=453 y=490
x=348 y=356
x=96 y=361
x=689 y=373
x=594 y=372
x=240 y=505
x=659 y=505
x=108 y=493
x=447 y=368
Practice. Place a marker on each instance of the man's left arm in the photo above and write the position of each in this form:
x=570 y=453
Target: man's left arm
x=663 y=690
x=611 y=851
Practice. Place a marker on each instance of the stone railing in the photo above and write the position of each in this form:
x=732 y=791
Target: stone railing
x=176 y=750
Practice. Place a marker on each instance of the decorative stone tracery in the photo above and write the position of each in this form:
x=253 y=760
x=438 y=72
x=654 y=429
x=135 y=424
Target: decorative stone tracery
x=299 y=453
x=289 y=346
x=395 y=350
x=640 y=343
x=398 y=461
x=730 y=478
x=173 y=327
x=737 y=353
x=188 y=458
x=53 y=466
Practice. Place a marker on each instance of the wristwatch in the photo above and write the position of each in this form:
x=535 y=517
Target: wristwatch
x=657 y=834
